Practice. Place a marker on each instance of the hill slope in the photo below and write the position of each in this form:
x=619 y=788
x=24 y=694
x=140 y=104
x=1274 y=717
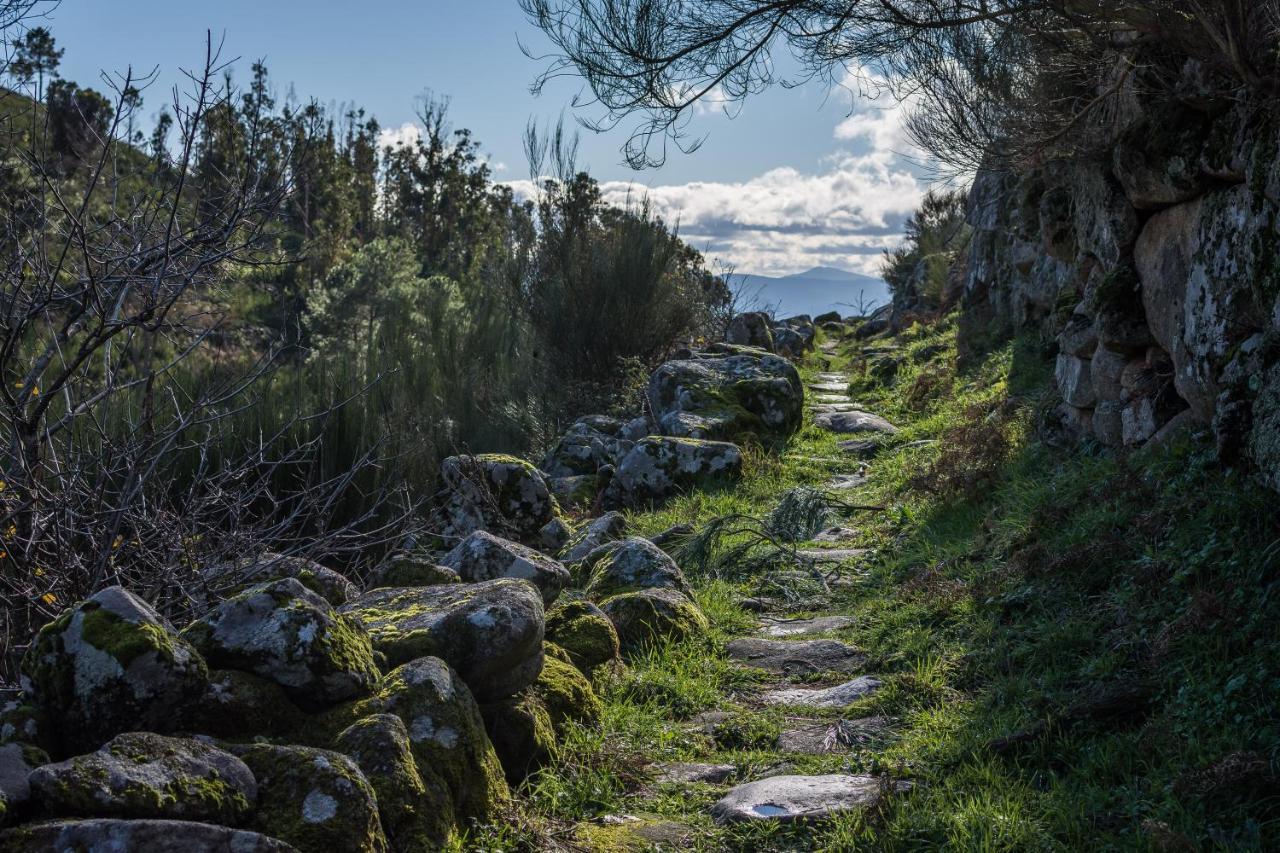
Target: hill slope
x=813 y=292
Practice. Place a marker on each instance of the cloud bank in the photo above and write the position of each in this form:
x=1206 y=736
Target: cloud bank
x=787 y=220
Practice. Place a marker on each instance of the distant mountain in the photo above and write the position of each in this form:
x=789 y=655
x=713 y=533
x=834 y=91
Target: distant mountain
x=814 y=292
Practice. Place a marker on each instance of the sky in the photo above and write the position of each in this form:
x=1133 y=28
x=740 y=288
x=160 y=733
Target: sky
x=817 y=175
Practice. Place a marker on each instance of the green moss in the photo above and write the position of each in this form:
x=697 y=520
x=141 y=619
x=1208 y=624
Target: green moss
x=585 y=633
x=315 y=800
x=567 y=695
x=521 y=731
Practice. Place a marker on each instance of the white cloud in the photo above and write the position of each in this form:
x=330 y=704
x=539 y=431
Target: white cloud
x=398 y=137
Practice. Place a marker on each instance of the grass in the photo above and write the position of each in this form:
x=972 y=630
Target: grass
x=1018 y=585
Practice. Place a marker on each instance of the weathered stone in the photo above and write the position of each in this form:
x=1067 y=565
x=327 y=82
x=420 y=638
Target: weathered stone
x=446 y=735
x=750 y=329
x=1107 y=423
x=599 y=531
x=415 y=812
x=153 y=836
x=242 y=706
x=584 y=631
x=828 y=697
x=17 y=760
x=144 y=775
x=21 y=720
x=803 y=627
x=660 y=467
x=684 y=772
x=1075 y=381
x=1105 y=368
x=314 y=799
x=520 y=730
x=653 y=615
x=109 y=665
x=410 y=570
x=490 y=632
x=483 y=556
x=1191 y=260
x=632 y=564
x=787 y=799
x=284 y=632
x=801 y=657
x=501 y=494
x=553 y=536
x=854 y=422
x=1158 y=161
x=725 y=397
x=583 y=449
x=577 y=491
x=237 y=575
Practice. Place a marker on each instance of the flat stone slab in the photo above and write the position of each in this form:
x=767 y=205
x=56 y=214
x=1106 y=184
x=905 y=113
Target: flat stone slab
x=820 y=737
x=825 y=697
x=797 y=657
x=843 y=482
x=833 y=408
x=830 y=388
x=828 y=346
x=833 y=555
x=829 y=397
x=854 y=422
x=802 y=627
x=836 y=534
x=864 y=448
x=833 y=377
x=787 y=799
x=688 y=772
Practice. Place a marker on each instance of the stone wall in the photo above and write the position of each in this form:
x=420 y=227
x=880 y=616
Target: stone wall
x=1155 y=260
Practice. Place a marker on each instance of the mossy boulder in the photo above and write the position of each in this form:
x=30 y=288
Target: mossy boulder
x=652 y=616
x=521 y=732
x=633 y=564
x=659 y=467
x=314 y=799
x=284 y=632
x=21 y=720
x=402 y=570
x=145 y=775
x=585 y=633
x=416 y=811
x=585 y=448
x=567 y=695
x=750 y=329
x=242 y=706
x=494 y=492
x=489 y=632
x=108 y=665
x=727 y=397
x=17 y=760
x=234 y=576
x=109 y=835
x=578 y=491
x=599 y=531
x=483 y=556
x=446 y=735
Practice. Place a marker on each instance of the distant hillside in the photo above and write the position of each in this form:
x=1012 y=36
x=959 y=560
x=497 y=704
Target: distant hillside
x=816 y=291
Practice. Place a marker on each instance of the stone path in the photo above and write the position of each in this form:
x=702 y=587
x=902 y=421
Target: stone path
x=791 y=649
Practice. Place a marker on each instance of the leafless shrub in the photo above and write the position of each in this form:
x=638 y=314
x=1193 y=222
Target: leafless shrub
x=118 y=465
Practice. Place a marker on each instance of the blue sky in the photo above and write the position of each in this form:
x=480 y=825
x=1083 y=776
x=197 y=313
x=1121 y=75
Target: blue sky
x=798 y=178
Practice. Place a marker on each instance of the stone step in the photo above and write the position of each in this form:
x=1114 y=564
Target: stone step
x=824 y=697
x=830 y=388
x=832 y=408
x=844 y=482
x=819 y=737
x=830 y=398
x=683 y=772
x=833 y=377
x=836 y=534
x=787 y=799
x=855 y=422
x=808 y=626
x=797 y=657
x=832 y=555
